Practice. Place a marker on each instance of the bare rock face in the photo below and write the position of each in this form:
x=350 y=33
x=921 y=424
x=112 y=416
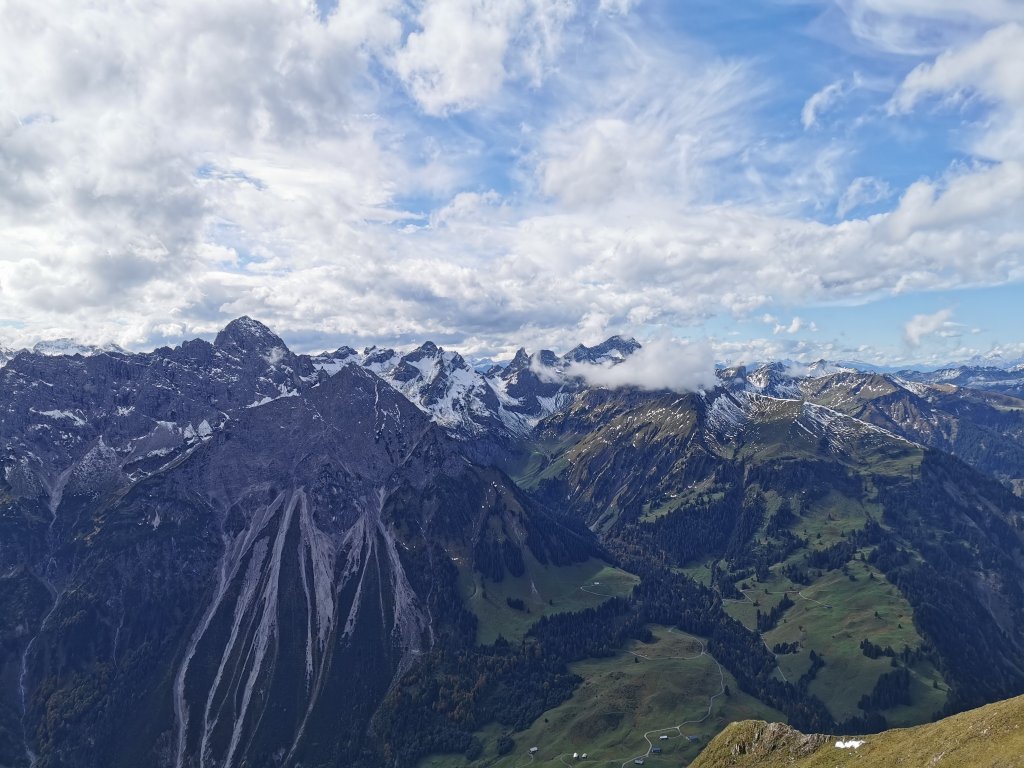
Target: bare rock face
x=502 y=404
x=235 y=555
x=773 y=740
x=147 y=408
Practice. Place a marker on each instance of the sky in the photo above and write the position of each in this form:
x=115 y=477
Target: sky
x=769 y=179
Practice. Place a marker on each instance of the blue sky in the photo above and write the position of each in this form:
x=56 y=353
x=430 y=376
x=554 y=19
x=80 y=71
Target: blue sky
x=773 y=178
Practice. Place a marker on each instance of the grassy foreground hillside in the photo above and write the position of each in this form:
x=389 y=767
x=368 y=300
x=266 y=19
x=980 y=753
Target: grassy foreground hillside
x=989 y=737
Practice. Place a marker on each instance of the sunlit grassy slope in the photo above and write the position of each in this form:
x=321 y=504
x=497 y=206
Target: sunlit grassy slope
x=648 y=688
x=989 y=737
x=543 y=589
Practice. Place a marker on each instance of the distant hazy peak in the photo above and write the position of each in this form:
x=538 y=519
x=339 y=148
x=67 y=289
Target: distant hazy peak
x=68 y=346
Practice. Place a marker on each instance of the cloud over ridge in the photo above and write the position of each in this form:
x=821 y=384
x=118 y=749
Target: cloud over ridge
x=660 y=364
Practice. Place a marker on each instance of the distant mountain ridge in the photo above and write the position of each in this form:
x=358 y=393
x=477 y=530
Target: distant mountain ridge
x=510 y=399
x=496 y=407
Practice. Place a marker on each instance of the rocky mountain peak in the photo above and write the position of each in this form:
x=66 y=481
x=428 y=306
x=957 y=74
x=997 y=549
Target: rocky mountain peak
x=244 y=334
x=520 y=361
x=6 y=354
x=426 y=349
x=547 y=358
x=343 y=352
x=612 y=348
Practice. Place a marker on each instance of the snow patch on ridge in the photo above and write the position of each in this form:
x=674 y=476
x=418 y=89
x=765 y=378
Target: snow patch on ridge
x=851 y=744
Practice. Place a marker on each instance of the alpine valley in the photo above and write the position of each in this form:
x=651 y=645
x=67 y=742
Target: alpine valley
x=228 y=554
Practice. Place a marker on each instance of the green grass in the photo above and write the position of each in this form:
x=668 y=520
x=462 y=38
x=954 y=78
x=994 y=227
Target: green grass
x=699 y=572
x=544 y=589
x=774 y=434
x=989 y=737
x=701 y=493
x=824 y=521
x=541 y=459
x=619 y=701
x=832 y=616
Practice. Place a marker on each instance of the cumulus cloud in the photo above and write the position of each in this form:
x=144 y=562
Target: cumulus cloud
x=921 y=326
x=465 y=50
x=661 y=364
x=795 y=326
x=988 y=68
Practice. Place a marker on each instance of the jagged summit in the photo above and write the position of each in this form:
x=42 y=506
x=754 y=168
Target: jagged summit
x=248 y=335
x=519 y=361
x=423 y=350
x=501 y=400
x=612 y=349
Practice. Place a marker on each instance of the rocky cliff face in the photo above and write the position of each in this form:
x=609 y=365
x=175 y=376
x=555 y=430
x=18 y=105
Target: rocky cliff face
x=502 y=404
x=225 y=554
x=231 y=574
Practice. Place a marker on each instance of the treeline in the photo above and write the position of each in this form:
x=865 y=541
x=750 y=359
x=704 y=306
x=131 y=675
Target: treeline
x=712 y=526
x=909 y=656
x=670 y=598
x=817 y=662
x=768 y=621
x=959 y=533
x=493 y=558
x=837 y=555
x=457 y=688
x=891 y=690
x=812 y=479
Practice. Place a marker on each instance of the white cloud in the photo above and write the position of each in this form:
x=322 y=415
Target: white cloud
x=465 y=50
x=792 y=328
x=920 y=326
x=989 y=68
x=647 y=122
x=166 y=168
x=795 y=326
x=986 y=202
x=660 y=364
x=620 y=7
x=820 y=102
x=138 y=143
x=924 y=27
x=863 y=190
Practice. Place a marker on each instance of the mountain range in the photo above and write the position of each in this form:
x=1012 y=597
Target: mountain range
x=225 y=553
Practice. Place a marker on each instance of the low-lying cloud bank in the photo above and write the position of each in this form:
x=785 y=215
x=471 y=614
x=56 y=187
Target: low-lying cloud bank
x=662 y=364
